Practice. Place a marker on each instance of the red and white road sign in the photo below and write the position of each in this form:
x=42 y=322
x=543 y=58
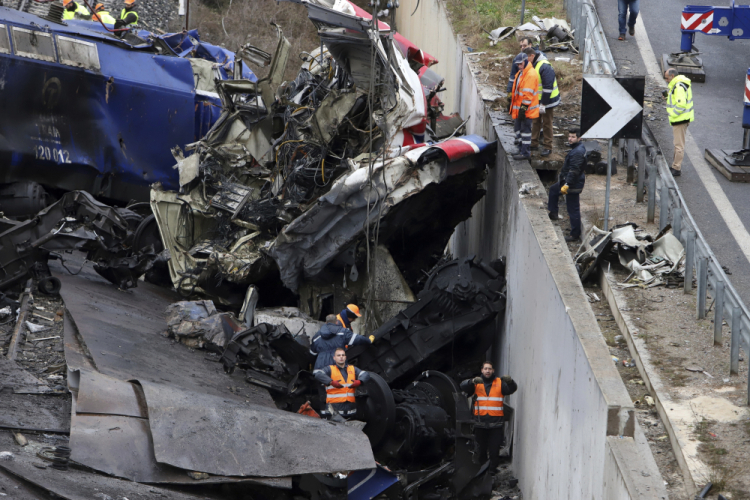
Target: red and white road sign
x=698 y=22
x=747 y=90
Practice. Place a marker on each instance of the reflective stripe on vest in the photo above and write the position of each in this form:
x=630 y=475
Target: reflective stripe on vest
x=346 y=393
x=491 y=404
x=105 y=17
x=554 y=92
x=124 y=13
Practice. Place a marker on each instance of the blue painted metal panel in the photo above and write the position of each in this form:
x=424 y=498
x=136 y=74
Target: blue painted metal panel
x=109 y=132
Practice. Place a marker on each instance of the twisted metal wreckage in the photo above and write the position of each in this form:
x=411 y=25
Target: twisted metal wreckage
x=343 y=185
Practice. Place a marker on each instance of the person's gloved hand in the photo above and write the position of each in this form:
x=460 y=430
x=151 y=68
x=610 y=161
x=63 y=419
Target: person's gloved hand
x=524 y=108
x=542 y=109
x=506 y=378
x=372 y=338
x=564 y=189
x=336 y=384
x=665 y=93
x=478 y=380
x=356 y=383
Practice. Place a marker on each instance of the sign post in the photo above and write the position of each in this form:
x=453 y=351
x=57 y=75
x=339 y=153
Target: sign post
x=611 y=108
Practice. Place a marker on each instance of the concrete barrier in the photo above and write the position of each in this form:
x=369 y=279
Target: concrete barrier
x=576 y=434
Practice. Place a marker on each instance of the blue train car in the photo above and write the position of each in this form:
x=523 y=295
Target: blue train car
x=81 y=108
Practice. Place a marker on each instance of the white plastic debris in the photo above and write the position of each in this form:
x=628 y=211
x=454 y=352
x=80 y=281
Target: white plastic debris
x=5 y=311
x=6 y=455
x=34 y=328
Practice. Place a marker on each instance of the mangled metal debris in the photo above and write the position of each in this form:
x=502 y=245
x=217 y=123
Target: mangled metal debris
x=651 y=261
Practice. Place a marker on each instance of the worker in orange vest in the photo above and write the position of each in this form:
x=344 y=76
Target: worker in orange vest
x=489 y=393
x=341 y=381
x=525 y=102
x=347 y=315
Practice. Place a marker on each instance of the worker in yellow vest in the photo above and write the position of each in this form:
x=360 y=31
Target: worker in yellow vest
x=341 y=381
x=73 y=10
x=128 y=15
x=100 y=14
x=549 y=99
x=489 y=393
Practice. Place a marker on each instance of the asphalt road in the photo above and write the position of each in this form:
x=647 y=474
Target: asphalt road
x=718 y=124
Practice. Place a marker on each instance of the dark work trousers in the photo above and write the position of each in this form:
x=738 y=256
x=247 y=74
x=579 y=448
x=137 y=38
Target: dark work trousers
x=572 y=202
x=522 y=127
x=489 y=441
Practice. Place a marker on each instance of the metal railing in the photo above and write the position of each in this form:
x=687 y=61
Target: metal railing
x=711 y=278
x=590 y=38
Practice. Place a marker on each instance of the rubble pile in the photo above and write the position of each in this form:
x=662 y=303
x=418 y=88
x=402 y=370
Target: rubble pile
x=652 y=261
x=340 y=187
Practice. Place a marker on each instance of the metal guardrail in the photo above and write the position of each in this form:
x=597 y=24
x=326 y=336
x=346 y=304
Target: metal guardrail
x=727 y=304
x=590 y=38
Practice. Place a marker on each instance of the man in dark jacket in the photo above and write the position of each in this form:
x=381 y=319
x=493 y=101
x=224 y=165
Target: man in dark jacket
x=570 y=183
x=341 y=381
x=488 y=393
x=330 y=337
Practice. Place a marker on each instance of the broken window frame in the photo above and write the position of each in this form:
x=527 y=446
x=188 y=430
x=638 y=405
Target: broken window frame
x=32 y=55
x=63 y=40
x=7 y=49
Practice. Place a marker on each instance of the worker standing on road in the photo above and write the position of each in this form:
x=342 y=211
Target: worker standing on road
x=128 y=15
x=100 y=14
x=525 y=103
x=72 y=9
x=489 y=393
x=550 y=98
x=680 y=110
x=570 y=183
x=331 y=337
x=623 y=6
x=340 y=381
x=347 y=315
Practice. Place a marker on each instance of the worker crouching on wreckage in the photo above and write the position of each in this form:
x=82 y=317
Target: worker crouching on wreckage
x=488 y=393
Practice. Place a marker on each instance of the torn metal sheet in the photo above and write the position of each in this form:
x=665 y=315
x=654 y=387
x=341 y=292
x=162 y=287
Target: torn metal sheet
x=123 y=335
x=198 y=324
x=75 y=484
x=99 y=393
x=670 y=248
x=200 y=432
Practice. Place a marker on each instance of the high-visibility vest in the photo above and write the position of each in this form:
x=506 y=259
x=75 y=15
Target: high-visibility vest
x=680 y=100
x=491 y=405
x=525 y=92
x=341 y=322
x=125 y=12
x=346 y=393
x=71 y=14
x=105 y=16
x=555 y=91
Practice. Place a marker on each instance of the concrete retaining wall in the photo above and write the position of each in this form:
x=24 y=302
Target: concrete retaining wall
x=576 y=433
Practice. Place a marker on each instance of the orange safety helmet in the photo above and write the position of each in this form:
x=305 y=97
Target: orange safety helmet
x=129 y=3
x=353 y=308
x=66 y=2
x=98 y=7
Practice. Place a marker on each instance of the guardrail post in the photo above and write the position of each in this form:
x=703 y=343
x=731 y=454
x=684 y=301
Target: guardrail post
x=641 y=174
x=702 y=282
x=664 y=207
x=651 y=191
x=689 y=259
x=718 y=311
x=734 y=351
x=677 y=222
x=631 y=161
x=620 y=152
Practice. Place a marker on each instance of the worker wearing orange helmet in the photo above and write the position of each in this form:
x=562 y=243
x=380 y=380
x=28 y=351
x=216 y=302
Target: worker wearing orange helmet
x=349 y=314
x=72 y=9
x=128 y=15
x=100 y=14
